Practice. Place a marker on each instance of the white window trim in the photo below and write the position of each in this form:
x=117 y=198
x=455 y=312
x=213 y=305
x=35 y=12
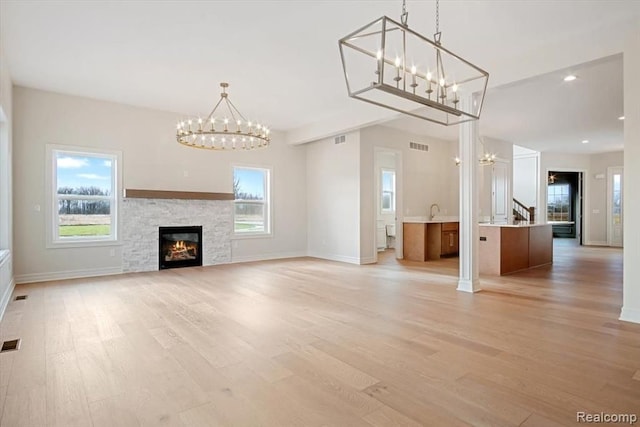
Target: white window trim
x=268 y=192
x=393 y=200
x=51 y=211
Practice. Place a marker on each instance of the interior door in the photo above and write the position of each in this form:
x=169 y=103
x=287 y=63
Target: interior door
x=500 y=206
x=614 y=206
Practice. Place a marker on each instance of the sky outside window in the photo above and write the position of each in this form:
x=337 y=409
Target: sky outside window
x=83 y=171
x=251 y=181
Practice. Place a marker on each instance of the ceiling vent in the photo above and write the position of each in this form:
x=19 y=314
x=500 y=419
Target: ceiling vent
x=341 y=139
x=419 y=147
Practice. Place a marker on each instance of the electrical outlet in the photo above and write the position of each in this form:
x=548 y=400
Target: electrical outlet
x=36 y=208
x=185 y=174
x=112 y=252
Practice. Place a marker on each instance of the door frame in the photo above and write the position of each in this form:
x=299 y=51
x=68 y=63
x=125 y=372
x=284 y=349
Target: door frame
x=610 y=171
x=584 y=237
x=399 y=200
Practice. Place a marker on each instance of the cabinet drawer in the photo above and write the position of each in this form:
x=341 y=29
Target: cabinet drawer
x=449 y=226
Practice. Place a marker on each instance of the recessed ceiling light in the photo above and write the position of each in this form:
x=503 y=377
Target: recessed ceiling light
x=570 y=78
x=621 y=118
x=585 y=141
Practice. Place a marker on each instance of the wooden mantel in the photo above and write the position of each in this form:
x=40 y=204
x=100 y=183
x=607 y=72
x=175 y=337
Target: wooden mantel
x=131 y=193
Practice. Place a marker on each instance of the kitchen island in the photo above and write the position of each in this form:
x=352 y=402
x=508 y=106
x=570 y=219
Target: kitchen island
x=427 y=239
x=507 y=248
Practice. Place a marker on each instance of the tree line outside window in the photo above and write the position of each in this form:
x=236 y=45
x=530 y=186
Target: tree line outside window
x=84 y=205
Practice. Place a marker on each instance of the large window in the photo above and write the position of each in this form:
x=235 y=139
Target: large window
x=388 y=191
x=251 y=187
x=84 y=196
x=559 y=202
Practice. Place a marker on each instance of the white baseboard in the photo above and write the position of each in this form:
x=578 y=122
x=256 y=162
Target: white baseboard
x=368 y=260
x=266 y=257
x=4 y=302
x=470 y=286
x=70 y=274
x=630 y=315
x=339 y=258
x=596 y=243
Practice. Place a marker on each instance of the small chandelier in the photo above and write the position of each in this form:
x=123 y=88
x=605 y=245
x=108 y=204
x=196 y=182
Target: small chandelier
x=387 y=64
x=487 y=158
x=228 y=132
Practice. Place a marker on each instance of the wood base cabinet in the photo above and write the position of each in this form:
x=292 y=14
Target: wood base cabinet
x=429 y=241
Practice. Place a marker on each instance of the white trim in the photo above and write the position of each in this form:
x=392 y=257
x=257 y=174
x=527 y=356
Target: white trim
x=268 y=193
x=267 y=257
x=470 y=286
x=368 y=260
x=4 y=302
x=4 y=254
x=595 y=243
x=611 y=170
x=69 y=274
x=585 y=196
x=630 y=315
x=52 y=240
x=382 y=171
x=339 y=258
x=399 y=169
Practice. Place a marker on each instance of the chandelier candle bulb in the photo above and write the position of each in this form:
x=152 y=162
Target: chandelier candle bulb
x=414 y=85
x=397 y=78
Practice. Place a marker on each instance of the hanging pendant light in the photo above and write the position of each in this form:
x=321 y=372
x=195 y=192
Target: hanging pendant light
x=387 y=64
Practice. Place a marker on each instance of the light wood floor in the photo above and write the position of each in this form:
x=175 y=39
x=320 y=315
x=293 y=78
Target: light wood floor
x=316 y=343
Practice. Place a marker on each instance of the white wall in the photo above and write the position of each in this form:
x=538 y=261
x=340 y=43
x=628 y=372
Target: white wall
x=631 y=288
x=152 y=159
x=599 y=163
x=525 y=175
x=428 y=177
x=333 y=199
x=6 y=201
x=594 y=193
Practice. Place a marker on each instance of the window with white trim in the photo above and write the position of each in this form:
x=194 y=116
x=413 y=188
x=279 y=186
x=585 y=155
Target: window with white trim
x=84 y=196
x=388 y=190
x=251 y=187
x=559 y=202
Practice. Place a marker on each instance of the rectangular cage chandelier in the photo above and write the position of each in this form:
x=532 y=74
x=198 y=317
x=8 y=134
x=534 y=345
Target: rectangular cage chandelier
x=387 y=64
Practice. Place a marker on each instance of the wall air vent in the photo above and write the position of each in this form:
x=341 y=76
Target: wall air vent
x=341 y=139
x=10 y=345
x=419 y=147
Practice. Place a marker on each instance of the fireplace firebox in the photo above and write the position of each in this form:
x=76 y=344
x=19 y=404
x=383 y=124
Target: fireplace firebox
x=180 y=247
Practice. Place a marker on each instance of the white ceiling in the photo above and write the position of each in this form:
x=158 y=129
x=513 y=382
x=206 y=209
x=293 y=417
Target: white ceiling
x=545 y=113
x=280 y=57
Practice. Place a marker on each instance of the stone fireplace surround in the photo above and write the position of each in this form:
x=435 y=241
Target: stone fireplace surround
x=141 y=218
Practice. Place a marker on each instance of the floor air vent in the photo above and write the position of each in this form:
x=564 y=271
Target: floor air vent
x=10 y=345
x=21 y=297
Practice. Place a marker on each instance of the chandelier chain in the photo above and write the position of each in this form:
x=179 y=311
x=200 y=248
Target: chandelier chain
x=405 y=15
x=437 y=16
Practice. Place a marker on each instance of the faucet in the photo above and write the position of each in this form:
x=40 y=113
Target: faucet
x=431 y=215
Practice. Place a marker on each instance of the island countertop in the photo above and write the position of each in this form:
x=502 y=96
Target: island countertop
x=513 y=224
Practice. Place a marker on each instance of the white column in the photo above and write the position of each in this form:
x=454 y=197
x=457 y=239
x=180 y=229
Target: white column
x=631 y=198
x=469 y=208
